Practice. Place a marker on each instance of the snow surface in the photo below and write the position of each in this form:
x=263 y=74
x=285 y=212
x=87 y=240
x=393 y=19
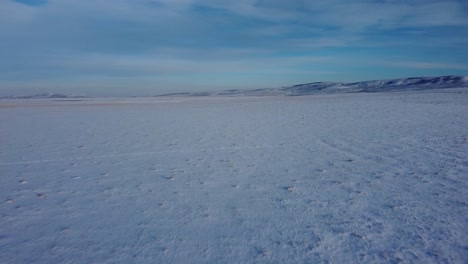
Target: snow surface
x=349 y=178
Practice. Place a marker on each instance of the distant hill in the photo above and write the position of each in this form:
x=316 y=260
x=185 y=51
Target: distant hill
x=407 y=84
x=46 y=96
x=404 y=84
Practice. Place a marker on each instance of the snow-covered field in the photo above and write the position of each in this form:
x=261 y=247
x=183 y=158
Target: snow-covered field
x=343 y=178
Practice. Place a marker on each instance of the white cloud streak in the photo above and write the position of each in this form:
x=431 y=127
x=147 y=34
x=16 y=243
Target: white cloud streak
x=427 y=65
x=161 y=38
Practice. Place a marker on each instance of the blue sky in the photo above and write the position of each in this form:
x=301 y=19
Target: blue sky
x=147 y=47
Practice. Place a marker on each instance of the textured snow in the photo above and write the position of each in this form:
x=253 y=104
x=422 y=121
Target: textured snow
x=347 y=178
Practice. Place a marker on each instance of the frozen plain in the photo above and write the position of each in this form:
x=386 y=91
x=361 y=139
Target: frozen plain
x=344 y=178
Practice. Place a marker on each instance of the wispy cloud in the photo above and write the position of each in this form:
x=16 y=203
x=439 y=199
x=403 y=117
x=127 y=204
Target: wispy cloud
x=428 y=65
x=180 y=40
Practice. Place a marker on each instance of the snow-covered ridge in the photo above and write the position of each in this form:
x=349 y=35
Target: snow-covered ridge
x=46 y=96
x=415 y=83
x=404 y=84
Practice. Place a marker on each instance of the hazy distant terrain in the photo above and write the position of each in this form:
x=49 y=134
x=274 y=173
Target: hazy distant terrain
x=340 y=178
x=404 y=84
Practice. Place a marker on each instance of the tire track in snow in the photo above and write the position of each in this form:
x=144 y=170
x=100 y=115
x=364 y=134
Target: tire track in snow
x=144 y=154
x=338 y=149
